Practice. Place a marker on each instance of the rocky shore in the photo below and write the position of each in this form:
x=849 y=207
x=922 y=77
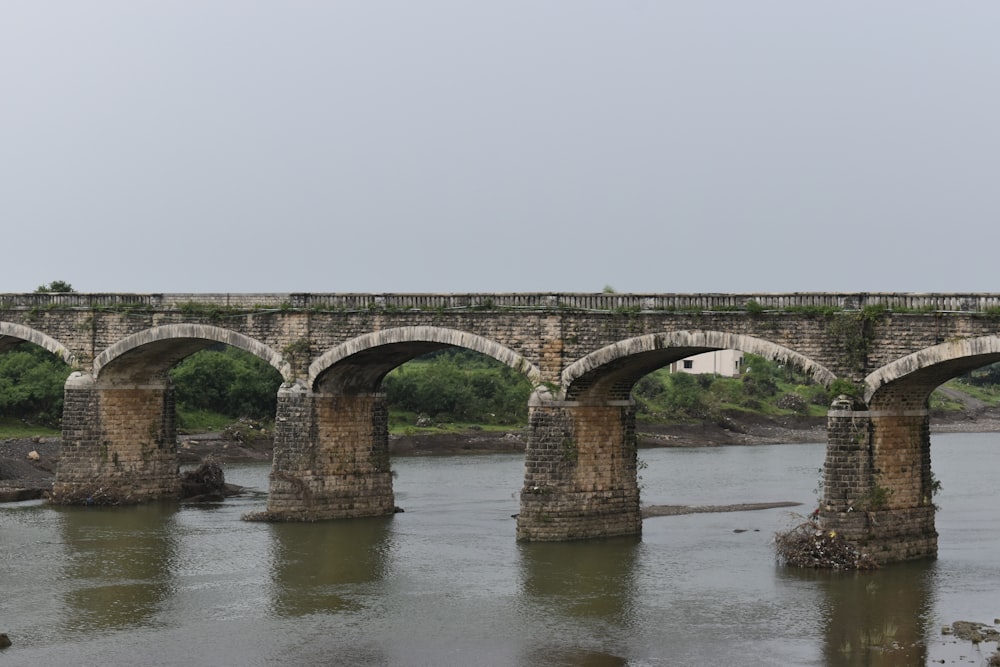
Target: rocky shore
x=27 y=465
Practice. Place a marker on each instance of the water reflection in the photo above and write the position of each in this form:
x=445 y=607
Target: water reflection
x=324 y=567
x=576 y=658
x=119 y=563
x=582 y=582
x=874 y=619
x=448 y=585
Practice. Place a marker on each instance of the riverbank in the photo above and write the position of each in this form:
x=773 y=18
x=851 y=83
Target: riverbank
x=27 y=465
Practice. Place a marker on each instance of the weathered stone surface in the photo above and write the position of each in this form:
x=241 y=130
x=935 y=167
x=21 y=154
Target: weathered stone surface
x=331 y=457
x=119 y=444
x=580 y=474
x=878 y=484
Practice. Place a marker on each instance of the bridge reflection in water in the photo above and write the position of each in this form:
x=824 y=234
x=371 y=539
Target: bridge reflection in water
x=445 y=583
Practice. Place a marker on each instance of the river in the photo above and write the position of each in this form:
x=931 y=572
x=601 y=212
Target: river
x=445 y=583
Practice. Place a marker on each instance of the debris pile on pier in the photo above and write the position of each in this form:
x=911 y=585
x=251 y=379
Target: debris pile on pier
x=809 y=545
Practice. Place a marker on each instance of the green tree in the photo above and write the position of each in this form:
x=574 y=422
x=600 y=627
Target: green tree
x=56 y=286
x=227 y=381
x=459 y=385
x=31 y=385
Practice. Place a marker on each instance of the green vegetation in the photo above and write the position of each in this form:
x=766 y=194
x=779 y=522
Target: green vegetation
x=55 y=286
x=765 y=387
x=982 y=384
x=220 y=384
x=12 y=427
x=988 y=394
x=204 y=421
x=31 y=388
x=456 y=386
x=985 y=378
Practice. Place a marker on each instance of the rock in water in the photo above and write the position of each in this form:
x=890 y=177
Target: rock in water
x=207 y=481
x=4 y=640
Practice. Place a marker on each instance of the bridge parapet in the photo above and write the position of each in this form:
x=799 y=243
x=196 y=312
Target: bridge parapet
x=545 y=301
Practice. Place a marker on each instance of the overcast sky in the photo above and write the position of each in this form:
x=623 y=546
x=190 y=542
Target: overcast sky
x=500 y=146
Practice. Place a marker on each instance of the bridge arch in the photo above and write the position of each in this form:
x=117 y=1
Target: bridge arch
x=918 y=374
x=610 y=372
x=21 y=332
x=156 y=350
x=360 y=364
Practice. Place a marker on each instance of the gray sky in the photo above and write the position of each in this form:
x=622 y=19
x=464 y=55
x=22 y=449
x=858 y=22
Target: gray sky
x=411 y=146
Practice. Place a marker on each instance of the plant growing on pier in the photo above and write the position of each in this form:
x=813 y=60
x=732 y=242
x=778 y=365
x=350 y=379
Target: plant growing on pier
x=296 y=351
x=855 y=331
x=570 y=453
x=877 y=498
x=841 y=386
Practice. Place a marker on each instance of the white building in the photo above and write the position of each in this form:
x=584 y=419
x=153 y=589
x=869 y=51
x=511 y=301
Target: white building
x=726 y=363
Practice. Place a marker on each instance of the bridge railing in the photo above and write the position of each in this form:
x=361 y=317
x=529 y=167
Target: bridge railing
x=598 y=302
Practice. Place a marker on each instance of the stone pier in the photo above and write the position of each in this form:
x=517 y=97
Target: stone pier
x=119 y=443
x=580 y=472
x=878 y=487
x=331 y=456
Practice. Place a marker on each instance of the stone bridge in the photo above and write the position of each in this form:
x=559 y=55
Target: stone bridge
x=883 y=353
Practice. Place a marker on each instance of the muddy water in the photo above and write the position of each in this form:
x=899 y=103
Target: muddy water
x=446 y=584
